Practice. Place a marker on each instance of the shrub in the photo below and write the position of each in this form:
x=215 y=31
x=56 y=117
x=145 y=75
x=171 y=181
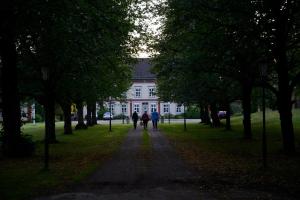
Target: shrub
x=180 y=116
x=119 y=116
x=59 y=118
x=101 y=112
x=39 y=118
x=236 y=107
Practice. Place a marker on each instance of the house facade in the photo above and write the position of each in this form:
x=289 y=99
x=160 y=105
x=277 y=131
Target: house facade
x=141 y=96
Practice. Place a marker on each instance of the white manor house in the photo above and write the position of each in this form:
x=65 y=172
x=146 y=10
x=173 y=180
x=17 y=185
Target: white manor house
x=141 y=96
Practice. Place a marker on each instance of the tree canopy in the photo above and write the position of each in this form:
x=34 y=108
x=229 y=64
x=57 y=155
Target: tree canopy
x=67 y=51
x=216 y=49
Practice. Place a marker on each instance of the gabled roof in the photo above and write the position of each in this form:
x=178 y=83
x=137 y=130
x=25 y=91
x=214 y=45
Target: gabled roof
x=142 y=70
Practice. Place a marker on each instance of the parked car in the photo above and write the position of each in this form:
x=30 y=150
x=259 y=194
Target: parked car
x=222 y=114
x=107 y=116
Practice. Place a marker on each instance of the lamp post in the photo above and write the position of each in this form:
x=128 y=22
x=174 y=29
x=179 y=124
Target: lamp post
x=184 y=117
x=123 y=114
x=169 y=113
x=264 y=137
x=45 y=77
x=110 y=114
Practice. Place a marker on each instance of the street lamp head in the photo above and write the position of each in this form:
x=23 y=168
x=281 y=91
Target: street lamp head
x=45 y=73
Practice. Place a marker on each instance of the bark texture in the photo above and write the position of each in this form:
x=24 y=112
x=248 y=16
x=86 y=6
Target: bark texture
x=67 y=118
x=80 y=124
x=50 y=119
x=9 y=82
x=94 y=116
x=89 y=115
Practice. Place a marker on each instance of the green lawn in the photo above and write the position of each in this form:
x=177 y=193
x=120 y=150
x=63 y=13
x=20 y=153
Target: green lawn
x=225 y=155
x=72 y=159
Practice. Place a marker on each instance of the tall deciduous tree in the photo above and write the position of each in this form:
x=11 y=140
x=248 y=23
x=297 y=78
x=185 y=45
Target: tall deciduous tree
x=281 y=25
x=9 y=82
x=80 y=43
x=234 y=38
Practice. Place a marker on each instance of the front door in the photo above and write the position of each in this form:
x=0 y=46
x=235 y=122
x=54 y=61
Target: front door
x=145 y=106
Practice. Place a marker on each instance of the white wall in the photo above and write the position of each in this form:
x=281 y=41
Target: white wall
x=144 y=90
x=144 y=98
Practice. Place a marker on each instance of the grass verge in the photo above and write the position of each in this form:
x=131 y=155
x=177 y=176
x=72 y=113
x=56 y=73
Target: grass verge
x=225 y=157
x=71 y=160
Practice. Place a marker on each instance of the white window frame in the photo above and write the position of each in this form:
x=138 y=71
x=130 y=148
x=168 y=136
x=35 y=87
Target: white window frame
x=136 y=107
x=166 y=108
x=151 y=91
x=112 y=108
x=124 y=108
x=138 y=90
x=153 y=107
x=178 y=109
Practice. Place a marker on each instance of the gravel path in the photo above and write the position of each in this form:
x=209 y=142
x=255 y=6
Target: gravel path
x=130 y=175
x=160 y=175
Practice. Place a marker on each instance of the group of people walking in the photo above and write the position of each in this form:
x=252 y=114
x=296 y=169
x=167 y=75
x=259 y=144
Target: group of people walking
x=145 y=119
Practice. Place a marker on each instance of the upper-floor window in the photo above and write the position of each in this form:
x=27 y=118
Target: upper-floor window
x=151 y=92
x=138 y=92
x=166 y=108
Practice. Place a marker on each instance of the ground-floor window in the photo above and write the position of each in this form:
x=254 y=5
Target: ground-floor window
x=153 y=107
x=136 y=108
x=124 y=108
x=166 y=108
x=112 y=108
x=178 y=109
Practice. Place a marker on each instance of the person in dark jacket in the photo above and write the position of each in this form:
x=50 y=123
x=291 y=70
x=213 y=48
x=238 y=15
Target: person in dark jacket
x=135 y=118
x=145 y=119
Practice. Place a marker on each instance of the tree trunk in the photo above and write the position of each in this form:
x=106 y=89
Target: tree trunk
x=287 y=129
x=202 y=117
x=285 y=107
x=89 y=115
x=282 y=29
x=206 y=116
x=10 y=97
x=214 y=116
x=94 y=117
x=81 y=124
x=228 y=112
x=50 y=119
x=67 y=118
x=246 y=104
